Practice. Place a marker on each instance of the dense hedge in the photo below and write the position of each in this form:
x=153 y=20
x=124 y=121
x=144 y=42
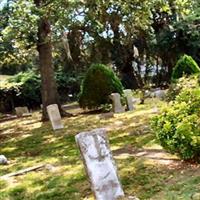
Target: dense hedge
x=68 y=85
x=24 y=89
x=99 y=82
x=29 y=90
x=186 y=65
x=178 y=127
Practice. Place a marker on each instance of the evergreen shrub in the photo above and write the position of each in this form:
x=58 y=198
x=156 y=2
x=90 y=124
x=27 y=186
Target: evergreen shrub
x=99 y=82
x=186 y=65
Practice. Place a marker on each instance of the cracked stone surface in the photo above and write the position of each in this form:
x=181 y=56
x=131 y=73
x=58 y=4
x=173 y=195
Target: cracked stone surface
x=99 y=164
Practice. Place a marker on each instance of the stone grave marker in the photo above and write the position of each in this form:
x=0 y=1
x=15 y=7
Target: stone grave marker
x=99 y=164
x=22 y=112
x=116 y=103
x=160 y=94
x=106 y=115
x=54 y=116
x=129 y=99
x=3 y=160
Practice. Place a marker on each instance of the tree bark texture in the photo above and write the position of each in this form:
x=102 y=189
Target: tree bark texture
x=44 y=47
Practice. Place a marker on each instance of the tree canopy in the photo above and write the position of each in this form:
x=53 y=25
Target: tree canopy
x=142 y=40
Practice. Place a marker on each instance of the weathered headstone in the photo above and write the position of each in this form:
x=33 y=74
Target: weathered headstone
x=22 y=111
x=54 y=116
x=129 y=99
x=3 y=160
x=135 y=100
x=106 y=115
x=161 y=94
x=116 y=103
x=99 y=164
x=158 y=93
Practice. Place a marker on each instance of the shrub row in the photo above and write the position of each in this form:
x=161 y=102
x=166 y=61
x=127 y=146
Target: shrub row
x=24 y=89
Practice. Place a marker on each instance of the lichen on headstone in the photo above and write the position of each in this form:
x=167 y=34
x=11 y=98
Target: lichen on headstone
x=99 y=164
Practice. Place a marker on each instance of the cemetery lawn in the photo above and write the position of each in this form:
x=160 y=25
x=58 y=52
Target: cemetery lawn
x=144 y=168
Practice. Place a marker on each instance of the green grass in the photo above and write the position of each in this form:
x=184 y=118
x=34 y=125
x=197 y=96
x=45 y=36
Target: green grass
x=29 y=142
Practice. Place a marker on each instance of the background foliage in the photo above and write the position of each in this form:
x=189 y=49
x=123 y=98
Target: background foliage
x=24 y=89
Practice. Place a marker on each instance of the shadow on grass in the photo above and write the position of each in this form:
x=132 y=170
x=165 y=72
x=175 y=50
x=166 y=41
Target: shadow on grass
x=146 y=180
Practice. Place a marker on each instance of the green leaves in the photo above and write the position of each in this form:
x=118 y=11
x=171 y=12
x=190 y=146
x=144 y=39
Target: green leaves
x=186 y=65
x=178 y=127
x=99 y=82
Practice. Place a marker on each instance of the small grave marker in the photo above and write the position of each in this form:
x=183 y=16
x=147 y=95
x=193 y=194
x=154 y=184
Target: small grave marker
x=106 y=115
x=22 y=111
x=116 y=103
x=54 y=116
x=129 y=99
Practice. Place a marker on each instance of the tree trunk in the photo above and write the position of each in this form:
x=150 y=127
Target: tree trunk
x=49 y=88
x=44 y=47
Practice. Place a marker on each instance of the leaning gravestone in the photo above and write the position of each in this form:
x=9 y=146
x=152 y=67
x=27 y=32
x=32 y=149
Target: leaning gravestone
x=22 y=111
x=99 y=164
x=116 y=103
x=129 y=99
x=54 y=116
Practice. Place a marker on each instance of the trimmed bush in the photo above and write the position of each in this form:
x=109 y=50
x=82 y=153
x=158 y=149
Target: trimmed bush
x=178 y=127
x=99 y=82
x=180 y=85
x=186 y=65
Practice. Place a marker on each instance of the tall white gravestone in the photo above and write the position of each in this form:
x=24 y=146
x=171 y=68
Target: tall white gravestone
x=116 y=103
x=54 y=116
x=99 y=164
x=129 y=99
